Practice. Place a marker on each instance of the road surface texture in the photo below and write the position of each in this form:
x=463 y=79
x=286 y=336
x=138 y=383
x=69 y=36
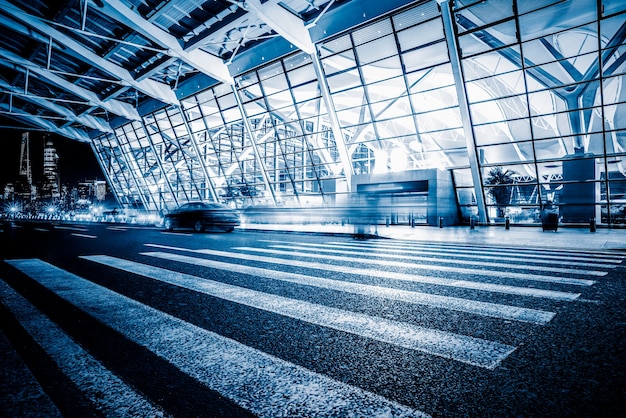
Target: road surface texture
x=115 y=320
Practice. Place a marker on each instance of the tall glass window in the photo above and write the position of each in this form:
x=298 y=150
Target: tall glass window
x=543 y=81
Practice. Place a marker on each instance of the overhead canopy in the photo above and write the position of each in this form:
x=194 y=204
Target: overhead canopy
x=72 y=66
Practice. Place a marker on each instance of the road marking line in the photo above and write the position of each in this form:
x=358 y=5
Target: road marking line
x=71 y=228
x=427 y=253
x=388 y=263
x=469 y=350
x=522 y=266
x=489 y=309
x=487 y=287
x=513 y=250
x=517 y=253
x=21 y=392
x=109 y=394
x=261 y=383
x=84 y=235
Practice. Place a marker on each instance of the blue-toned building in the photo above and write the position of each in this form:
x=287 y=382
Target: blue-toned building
x=450 y=108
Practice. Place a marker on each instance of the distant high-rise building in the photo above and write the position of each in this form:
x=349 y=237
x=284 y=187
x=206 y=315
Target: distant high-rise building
x=25 y=169
x=50 y=170
x=9 y=191
x=24 y=187
x=100 y=187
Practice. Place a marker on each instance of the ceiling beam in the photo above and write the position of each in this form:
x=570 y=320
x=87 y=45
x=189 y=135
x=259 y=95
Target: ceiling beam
x=68 y=131
x=208 y=64
x=92 y=122
x=159 y=91
x=285 y=23
x=114 y=106
x=212 y=28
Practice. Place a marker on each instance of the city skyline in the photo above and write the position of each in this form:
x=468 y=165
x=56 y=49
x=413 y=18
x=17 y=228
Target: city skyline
x=76 y=161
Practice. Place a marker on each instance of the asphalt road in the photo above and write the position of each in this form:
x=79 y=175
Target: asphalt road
x=114 y=320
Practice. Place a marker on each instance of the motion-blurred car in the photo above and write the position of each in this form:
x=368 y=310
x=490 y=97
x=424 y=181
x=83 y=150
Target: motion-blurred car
x=201 y=215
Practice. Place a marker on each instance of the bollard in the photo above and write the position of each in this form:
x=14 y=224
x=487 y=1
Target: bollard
x=507 y=223
x=592 y=225
x=441 y=222
x=471 y=222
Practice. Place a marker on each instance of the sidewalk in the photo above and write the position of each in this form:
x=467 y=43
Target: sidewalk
x=517 y=236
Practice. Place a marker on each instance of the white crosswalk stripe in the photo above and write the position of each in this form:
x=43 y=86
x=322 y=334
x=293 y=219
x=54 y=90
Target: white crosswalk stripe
x=108 y=392
x=457 y=283
x=469 y=350
x=21 y=392
x=458 y=304
x=460 y=254
x=526 y=276
x=589 y=255
x=224 y=365
x=373 y=271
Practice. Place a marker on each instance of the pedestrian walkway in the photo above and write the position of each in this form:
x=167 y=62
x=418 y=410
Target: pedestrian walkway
x=516 y=236
x=258 y=324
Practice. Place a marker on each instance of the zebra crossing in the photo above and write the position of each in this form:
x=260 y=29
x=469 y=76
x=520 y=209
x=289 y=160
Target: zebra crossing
x=75 y=362
x=521 y=287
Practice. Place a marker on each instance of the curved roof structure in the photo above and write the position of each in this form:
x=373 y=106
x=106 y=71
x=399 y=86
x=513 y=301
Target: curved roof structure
x=71 y=66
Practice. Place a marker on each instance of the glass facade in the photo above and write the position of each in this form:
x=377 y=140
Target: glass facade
x=542 y=82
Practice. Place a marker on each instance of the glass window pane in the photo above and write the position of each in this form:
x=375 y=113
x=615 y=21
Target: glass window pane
x=227 y=101
x=490 y=64
x=340 y=62
x=274 y=84
x=391 y=108
x=250 y=92
x=372 y=32
x=349 y=98
x=499 y=110
x=381 y=70
x=463 y=177
x=501 y=34
x=499 y=133
x=613 y=6
x=376 y=50
x=552 y=148
x=506 y=153
x=306 y=92
x=507 y=84
x=434 y=99
x=343 y=81
x=425 y=57
x=301 y=75
x=421 y=35
x=556 y=17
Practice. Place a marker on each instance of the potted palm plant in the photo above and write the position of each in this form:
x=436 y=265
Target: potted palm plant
x=501 y=181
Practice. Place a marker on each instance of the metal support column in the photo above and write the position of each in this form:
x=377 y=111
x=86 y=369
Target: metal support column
x=207 y=176
x=129 y=172
x=334 y=121
x=455 y=63
x=132 y=167
x=112 y=185
x=248 y=127
x=166 y=180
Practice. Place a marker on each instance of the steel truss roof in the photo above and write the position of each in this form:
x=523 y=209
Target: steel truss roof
x=71 y=66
